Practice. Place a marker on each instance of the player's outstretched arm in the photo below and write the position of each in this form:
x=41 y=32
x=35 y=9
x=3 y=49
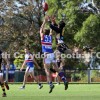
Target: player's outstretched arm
x=42 y=28
x=51 y=32
x=52 y=26
x=55 y=28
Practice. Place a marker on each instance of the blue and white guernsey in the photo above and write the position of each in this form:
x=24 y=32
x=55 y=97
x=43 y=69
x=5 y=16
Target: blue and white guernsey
x=47 y=44
x=29 y=60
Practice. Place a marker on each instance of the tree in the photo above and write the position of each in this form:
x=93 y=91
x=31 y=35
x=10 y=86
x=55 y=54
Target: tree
x=20 y=24
x=89 y=33
x=69 y=11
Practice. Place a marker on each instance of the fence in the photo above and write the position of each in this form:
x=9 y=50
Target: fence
x=73 y=76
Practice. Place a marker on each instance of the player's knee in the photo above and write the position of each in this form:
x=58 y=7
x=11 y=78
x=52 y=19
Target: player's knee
x=26 y=74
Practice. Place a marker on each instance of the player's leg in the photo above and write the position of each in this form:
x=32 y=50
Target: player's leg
x=6 y=85
x=61 y=74
x=2 y=85
x=46 y=62
x=25 y=78
x=57 y=76
x=49 y=80
x=58 y=79
x=36 y=79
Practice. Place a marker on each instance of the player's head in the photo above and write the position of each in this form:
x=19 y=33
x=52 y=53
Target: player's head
x=46 y=31
x=26 y=50
x=61 y=24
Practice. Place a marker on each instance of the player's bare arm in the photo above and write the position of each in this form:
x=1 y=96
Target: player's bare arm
x=22 y=67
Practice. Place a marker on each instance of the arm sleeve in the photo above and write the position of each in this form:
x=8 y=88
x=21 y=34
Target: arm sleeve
x=55 y=28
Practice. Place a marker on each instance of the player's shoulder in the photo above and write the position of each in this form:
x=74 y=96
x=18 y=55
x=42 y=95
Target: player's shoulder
x=30 y=53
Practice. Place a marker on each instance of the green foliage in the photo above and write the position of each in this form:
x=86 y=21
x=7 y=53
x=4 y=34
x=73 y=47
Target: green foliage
x=21 y=28
x=76 y=77
x=69 y=12
x=81 y=66
x=89 y=33
x=95 y=75
x=19 y=60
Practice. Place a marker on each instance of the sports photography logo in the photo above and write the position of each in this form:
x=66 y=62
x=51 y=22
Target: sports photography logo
x=6 y=55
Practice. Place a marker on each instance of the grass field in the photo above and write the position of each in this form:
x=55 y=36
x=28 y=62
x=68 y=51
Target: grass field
x=74 y=92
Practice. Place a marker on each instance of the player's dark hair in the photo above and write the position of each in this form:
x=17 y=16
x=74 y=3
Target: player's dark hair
x=61 y=24
x=47 y=31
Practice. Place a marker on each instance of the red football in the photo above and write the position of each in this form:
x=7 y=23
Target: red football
x=45 y=6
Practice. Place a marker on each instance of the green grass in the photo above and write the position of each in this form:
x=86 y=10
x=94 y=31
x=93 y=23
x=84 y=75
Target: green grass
x=74 y=92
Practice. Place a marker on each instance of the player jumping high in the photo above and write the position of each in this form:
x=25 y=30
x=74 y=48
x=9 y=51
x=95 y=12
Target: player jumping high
x=46 y=41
